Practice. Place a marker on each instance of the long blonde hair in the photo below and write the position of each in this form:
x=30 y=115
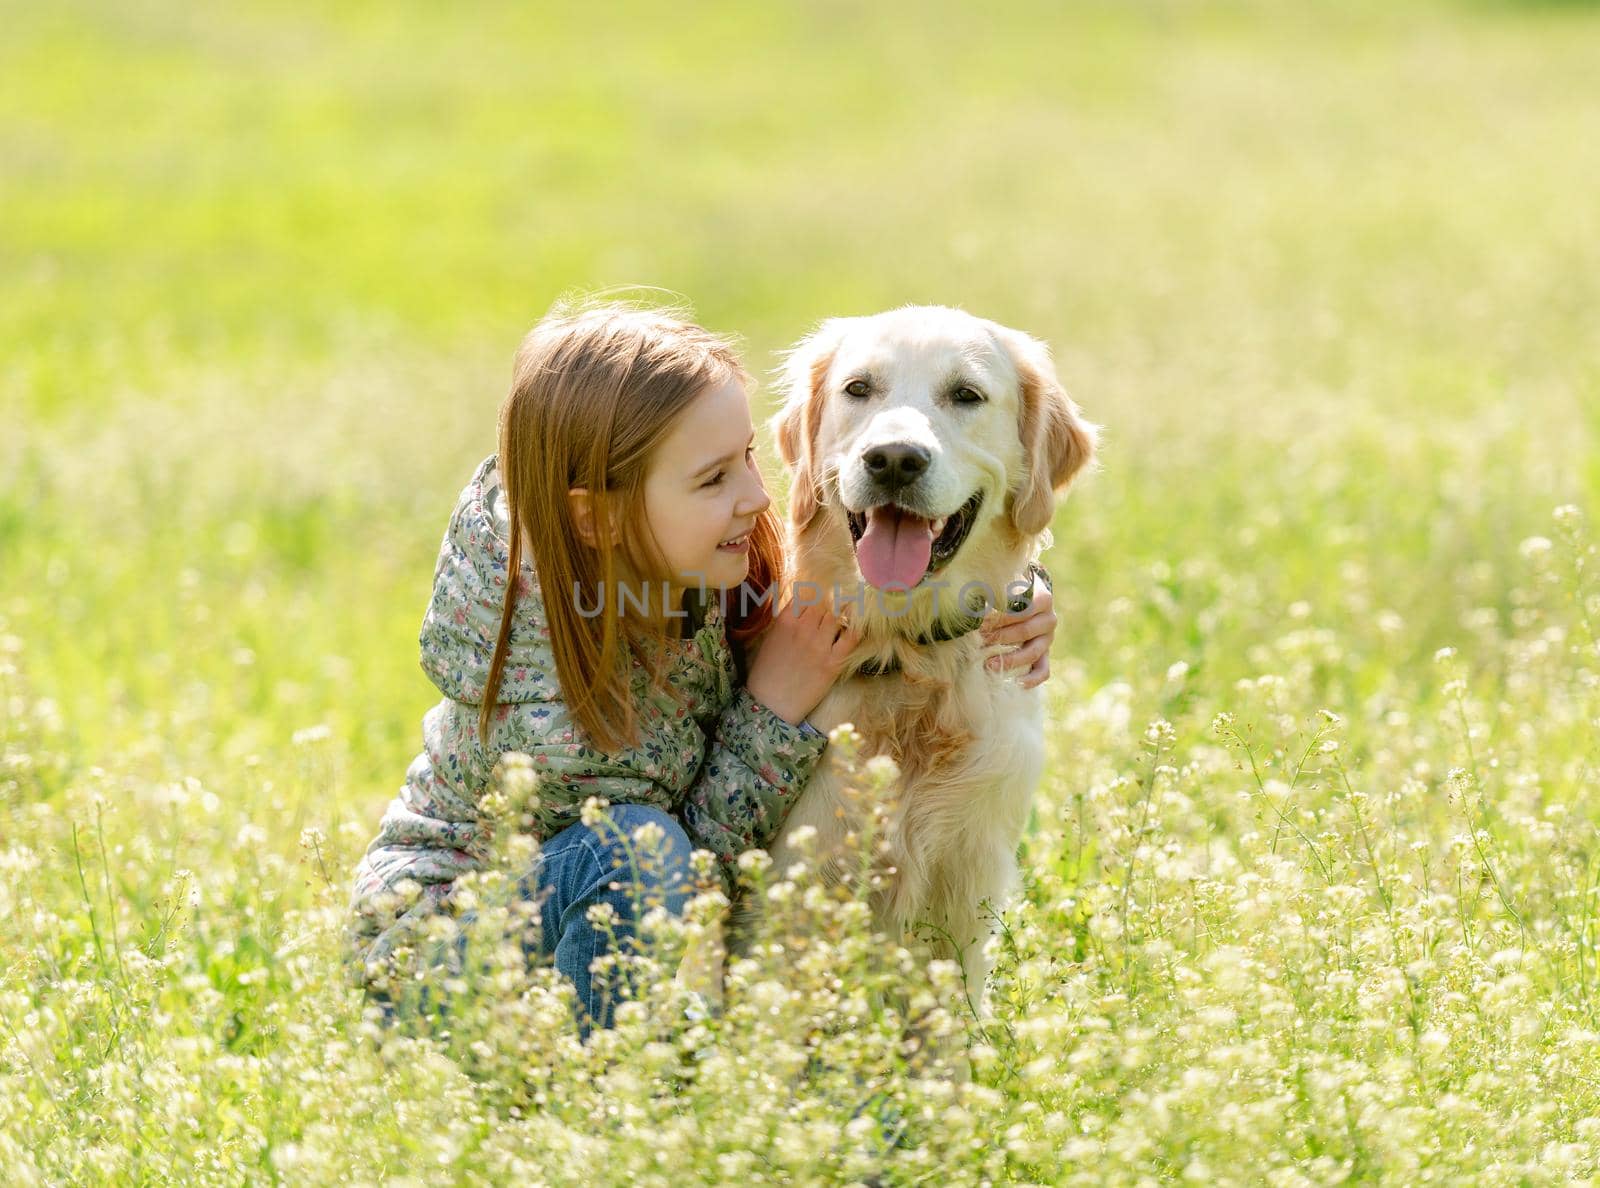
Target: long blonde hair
x=597 y=386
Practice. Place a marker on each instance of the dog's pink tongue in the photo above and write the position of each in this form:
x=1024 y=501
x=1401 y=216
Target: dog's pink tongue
x=895 y=547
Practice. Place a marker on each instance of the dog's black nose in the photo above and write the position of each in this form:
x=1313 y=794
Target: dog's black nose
x=897 y=464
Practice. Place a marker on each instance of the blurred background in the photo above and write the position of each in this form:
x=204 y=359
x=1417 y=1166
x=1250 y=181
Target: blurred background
x=1327 y=273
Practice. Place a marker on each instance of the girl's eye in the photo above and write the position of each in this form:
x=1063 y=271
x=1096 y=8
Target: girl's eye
x=714 y=480
x=858 y=388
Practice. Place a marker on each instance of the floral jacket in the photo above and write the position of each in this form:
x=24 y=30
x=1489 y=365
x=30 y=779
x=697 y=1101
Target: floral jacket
x=723 y=763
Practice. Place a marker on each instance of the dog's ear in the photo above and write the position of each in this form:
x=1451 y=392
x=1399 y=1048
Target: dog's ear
x=800 y=377
x=1057 y=442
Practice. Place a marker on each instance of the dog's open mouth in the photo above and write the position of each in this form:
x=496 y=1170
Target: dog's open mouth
x=898 y=547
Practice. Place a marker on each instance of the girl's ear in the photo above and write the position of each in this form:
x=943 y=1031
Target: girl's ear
x=583 y=516
x=1057 y=442
x=801 y=377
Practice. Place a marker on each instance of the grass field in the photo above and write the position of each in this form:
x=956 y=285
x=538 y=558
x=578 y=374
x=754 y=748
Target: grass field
x=1312 y=885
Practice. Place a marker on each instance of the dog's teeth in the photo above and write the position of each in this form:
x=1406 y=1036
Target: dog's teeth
x=938 y=525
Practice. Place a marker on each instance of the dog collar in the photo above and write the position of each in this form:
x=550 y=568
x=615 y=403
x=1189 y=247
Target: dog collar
x=967 y=624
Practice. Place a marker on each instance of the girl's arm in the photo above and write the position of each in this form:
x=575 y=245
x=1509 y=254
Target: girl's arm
x=756 y=765
x=762 y=750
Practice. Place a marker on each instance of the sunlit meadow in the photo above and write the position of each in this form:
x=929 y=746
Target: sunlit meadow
x=1311 y=889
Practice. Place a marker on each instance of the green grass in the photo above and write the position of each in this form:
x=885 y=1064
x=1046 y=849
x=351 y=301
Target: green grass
x=1329 y=276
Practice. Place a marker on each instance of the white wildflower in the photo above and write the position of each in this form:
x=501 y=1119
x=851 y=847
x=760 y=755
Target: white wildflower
x=755 y=860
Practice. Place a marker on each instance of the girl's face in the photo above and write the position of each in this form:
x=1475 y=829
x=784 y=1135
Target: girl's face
x=703 y=489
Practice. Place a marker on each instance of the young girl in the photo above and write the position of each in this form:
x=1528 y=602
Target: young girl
x=624 y=502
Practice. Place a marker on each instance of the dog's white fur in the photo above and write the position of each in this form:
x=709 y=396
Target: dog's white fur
x=969 y=742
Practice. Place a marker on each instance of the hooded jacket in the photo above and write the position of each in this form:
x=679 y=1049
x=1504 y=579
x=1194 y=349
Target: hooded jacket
x=723 y=763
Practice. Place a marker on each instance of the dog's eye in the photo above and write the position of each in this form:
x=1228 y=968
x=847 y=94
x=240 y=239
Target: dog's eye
x=858 y=388
x=966 y=395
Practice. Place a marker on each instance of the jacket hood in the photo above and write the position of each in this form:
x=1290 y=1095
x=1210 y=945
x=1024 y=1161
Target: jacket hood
x=469 y=587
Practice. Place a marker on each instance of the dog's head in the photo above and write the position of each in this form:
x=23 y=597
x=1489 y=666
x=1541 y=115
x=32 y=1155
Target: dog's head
x=940 y=439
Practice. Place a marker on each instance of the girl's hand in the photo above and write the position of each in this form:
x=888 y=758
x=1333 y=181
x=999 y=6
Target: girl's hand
x=1033 y=629
x=801 y=655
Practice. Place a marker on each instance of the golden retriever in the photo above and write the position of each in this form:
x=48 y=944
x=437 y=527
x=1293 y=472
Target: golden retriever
x=927 y=448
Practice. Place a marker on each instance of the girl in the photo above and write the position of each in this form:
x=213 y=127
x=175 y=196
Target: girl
x=624 y=502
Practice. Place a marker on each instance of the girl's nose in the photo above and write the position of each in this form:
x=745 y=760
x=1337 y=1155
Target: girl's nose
x=758 y=500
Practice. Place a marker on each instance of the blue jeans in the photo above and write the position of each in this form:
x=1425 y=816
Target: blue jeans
x=575 y=869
